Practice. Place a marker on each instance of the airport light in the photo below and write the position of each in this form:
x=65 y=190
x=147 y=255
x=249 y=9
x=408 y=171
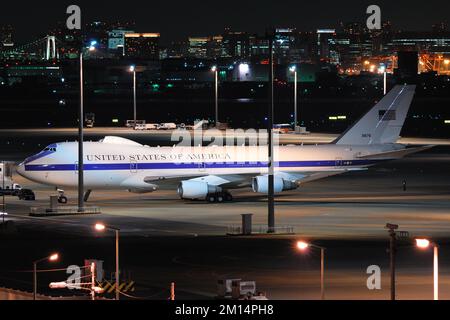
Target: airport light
x=102 y=227
x=215 y=70
x=92 y=45
x=302 y=246
x=446 y=61
x=244 y=68
x=132 y=69
x=52 y=258
x=425 y=244
x=294 y=70
x=422 y=243
x=270 y=34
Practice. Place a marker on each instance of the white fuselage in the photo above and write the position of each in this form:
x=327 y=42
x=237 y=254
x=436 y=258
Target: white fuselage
x=121 y=166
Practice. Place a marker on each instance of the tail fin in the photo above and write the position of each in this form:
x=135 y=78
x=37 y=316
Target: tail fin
x=383 y=123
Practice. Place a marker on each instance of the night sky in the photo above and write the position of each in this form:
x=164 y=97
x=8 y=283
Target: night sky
x=178 y=19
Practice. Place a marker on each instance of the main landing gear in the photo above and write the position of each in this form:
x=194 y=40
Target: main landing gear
x=219 y=197
x=63 y=199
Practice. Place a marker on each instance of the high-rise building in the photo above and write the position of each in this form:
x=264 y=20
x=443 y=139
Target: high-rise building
x=215 y=47
x=198 y=47
x=142 y=45
x=6 y=37
x=258 y=48
x=326 y=45
x=178 y=49
x=283 y=44
x=116 y=41
x=236 y=44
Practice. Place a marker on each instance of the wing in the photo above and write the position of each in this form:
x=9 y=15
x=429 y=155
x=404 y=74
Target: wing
x=238 y=181
x=304 y=177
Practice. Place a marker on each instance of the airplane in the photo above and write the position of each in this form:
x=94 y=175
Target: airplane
x=208 y=173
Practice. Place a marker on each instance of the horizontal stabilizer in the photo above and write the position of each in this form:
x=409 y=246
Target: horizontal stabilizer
x=395 y=154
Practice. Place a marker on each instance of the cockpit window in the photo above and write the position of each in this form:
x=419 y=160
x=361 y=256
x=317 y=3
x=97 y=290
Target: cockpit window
x=50 y=149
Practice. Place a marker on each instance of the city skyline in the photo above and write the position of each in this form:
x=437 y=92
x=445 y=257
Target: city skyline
x=190 y=19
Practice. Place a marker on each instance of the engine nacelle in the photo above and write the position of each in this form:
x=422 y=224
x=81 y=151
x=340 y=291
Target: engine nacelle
x=196 y=190
x=260 y=184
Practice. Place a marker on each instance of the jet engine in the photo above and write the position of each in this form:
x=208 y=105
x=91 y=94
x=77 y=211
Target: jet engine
x=196 y=190
x=260 y=184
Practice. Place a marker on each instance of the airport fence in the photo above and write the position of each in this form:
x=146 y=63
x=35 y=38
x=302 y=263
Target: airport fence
x=43 y=211
x=260 y=229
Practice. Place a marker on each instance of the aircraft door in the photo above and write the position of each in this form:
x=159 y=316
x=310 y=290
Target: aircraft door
x=201 y=167
x=133 y=167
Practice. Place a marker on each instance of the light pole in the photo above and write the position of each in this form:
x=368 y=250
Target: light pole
x=216 y=94
x=3 y=171
x=392 y=254
x=425 y=244
x=271 y=164
x=385 y=82
x=133 y=70
x=302 y=245
x=81 y=134
x=52 y=257
x=80 y=140
x=102 y=227
x=294 y=70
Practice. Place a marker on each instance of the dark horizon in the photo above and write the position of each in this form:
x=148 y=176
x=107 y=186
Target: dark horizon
x=176 y=21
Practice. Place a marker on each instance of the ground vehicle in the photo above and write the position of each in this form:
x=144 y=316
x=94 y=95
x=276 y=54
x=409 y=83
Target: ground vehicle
x=89 y=120
x=282 y=128
x=167 y=126
x=133 y=124
x=10 y=190
x=26 y=194
x=147 y=126
x=7 y=185
x=139 y=126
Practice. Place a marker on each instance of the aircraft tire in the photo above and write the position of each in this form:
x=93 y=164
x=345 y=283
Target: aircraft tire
x=62 y=199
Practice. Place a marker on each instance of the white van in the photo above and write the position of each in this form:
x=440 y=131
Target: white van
x=167 y=126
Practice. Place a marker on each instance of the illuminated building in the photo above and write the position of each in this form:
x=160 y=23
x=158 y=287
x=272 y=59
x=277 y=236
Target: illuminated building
x=326 y=45
x=6 y=40
x=178 y=49
x=236 y=44
x=116 y=41
x=258 y=48
x=421 y=41
x=284 y=43
x=142 y=45
x=198 y=47
x=215 y=47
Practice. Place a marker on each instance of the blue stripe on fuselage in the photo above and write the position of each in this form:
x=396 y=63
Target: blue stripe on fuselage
x=199 y=165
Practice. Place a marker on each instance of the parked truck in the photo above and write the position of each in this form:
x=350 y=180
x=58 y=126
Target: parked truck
x=7 y=185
